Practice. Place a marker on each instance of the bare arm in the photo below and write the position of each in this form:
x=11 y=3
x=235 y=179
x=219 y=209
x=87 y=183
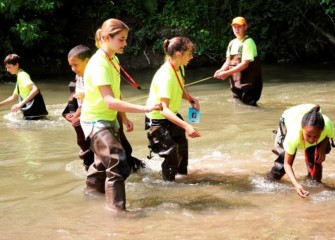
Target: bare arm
x=193 y=101
x=122 y=106
x=9 y=100
x=168 y=114
x=225 y=65
x=322 y=150
x=124 y=120
x=34 y=91
x=288 y=162
x=223 y=73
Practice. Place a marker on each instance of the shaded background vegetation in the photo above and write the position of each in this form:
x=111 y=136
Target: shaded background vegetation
x=43 y=31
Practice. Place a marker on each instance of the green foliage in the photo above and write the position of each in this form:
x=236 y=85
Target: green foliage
x=29 y=32
x=26 y=26
x=46 y=29
x=329 y=6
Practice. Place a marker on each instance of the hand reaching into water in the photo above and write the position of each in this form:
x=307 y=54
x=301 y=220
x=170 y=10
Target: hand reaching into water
x=15 y=107
x=300 y=190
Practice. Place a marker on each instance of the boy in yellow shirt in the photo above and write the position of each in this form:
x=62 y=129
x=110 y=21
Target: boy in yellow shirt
x=242 y=65
x=31 y=102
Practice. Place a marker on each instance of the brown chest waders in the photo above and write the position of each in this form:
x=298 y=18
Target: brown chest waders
x=110 y=168
x=246 y=85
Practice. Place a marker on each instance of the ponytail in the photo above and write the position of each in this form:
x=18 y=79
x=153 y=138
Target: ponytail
x=176 y=44
x=313 y=118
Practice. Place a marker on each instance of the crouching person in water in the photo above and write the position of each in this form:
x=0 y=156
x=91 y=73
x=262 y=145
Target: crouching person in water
x=304 y=127
x=166 y=127
x=103 y=100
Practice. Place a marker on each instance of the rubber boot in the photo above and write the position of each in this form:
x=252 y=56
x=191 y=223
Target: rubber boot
x=277 y=171
x=96 y=178
x=87 y=157
x=115 y=195
x=183 y=153
x=168 y=171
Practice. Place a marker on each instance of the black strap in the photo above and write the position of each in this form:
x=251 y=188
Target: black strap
x=241 y=47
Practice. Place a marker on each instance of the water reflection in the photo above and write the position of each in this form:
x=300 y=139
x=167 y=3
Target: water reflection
x=224 y=196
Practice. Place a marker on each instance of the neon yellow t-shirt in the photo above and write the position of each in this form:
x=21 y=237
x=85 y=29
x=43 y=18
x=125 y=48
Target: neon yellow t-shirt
x=23 y=81
x=100 y=72
x=165 y=85
x=249 y=49
x=293 y=117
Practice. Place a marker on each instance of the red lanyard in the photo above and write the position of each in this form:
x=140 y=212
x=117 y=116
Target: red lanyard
x=311 y=171
x=131 y=81
x=181 y=86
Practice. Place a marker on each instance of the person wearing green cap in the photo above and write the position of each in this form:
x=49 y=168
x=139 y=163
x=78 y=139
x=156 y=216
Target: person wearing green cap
x=242 y=65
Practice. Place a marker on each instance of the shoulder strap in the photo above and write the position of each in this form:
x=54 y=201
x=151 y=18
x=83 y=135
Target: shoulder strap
x=245 y=38
x=229 y=46
x=18 y=92
x=240 y=48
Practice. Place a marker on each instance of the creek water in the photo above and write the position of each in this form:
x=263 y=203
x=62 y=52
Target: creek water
x=224 y=196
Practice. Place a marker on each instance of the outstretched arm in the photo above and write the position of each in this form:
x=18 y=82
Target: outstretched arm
x=8 y=100
x=288 y=162
x=122 y=106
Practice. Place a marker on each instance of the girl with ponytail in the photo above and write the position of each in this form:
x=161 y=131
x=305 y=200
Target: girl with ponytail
x=99 y=115
x=302 y=127
x=166 y=128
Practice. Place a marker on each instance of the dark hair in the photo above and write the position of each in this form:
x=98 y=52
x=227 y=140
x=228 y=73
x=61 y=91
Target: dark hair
x=80 y=51
x=12 y=59
x=313 y=118
x=177 y=44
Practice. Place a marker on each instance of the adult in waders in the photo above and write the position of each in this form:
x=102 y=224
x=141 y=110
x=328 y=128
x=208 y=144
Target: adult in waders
x=242 y=65
x=302 y=127
x=31 y=102
x=166 y=127
x=103 y=100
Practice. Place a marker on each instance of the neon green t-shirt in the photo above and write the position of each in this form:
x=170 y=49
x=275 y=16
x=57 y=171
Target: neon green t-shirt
x=23 y=81
x=100 y=72
x=249 y=49
x=293 y=117
x=165 y=85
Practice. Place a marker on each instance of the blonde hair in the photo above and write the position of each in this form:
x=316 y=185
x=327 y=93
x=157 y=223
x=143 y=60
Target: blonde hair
x=110 y=27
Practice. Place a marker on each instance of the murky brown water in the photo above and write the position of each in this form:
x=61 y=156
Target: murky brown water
x=223 y=197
